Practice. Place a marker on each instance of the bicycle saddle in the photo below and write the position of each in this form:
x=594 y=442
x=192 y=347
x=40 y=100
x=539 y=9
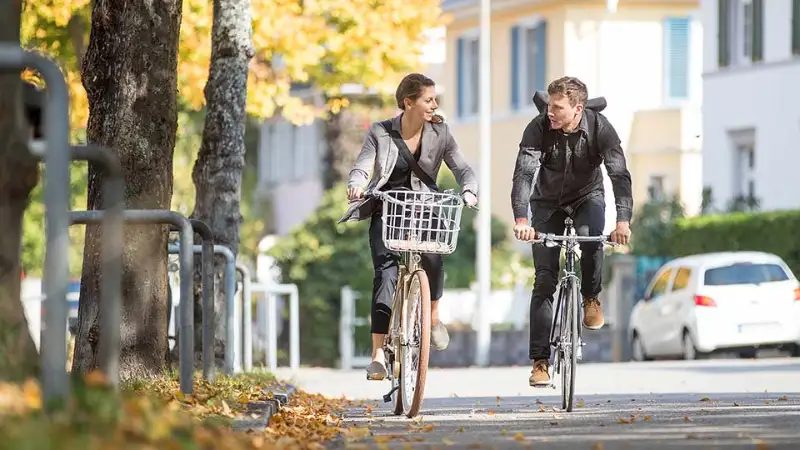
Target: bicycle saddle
x=541 y=99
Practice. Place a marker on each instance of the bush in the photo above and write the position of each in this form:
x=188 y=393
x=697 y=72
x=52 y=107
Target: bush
x=772 y=232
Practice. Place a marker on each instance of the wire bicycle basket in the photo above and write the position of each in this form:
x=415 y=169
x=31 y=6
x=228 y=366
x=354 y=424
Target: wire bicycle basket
x=422 y=222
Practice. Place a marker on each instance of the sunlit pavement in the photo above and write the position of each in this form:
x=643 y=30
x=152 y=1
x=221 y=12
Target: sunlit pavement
x=672 y=404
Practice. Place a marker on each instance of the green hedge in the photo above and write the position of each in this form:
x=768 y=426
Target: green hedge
x=773 y=232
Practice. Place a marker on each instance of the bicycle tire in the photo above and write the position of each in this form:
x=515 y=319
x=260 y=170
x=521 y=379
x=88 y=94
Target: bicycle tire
x=396 y=351
x=570 y=360
x=412 y=399
x=398 y=398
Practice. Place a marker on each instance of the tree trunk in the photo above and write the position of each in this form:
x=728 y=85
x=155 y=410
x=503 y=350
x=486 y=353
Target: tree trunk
x=217 y=173
x=130 y=76
x=19 y=173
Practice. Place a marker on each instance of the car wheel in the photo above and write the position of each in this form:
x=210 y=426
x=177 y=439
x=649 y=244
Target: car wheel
x=689 y=350
x=638 y=352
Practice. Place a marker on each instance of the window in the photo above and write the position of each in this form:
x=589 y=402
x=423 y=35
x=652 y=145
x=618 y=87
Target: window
x=660 y=285
x=682 y=277
x=743 y=146
x=740 y=32
x=655 y=189
x=796 y=27
x=528 y=62
x=467 y=57
x=288 y=152
x=676 y=57
x=744 y=273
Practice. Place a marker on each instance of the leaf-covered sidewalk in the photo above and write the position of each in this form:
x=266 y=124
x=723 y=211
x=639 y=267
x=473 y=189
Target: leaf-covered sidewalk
x=155 y=415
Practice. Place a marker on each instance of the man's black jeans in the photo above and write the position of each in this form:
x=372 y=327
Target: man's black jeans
x=588 y=220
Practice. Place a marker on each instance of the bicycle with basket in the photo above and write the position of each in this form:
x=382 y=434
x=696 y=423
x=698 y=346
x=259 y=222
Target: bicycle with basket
x=414 y=222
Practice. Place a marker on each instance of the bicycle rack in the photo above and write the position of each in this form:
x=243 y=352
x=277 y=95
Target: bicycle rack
x=347 y=323
x=230 y=305
x=271 y=290
x=207 y=279
x=158 y=217
x=56 y=199
x=111 y=247
x=247 y=317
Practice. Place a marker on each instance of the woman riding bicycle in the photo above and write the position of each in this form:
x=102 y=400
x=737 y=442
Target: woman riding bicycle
x=430 y=142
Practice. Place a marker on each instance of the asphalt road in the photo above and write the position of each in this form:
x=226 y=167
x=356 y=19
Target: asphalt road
x=748 y=404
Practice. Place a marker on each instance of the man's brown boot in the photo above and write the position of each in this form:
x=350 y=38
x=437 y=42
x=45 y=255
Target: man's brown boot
x=592 y=314
x=540 y=374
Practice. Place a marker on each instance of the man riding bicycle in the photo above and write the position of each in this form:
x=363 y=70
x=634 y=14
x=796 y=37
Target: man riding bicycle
x=567 y=146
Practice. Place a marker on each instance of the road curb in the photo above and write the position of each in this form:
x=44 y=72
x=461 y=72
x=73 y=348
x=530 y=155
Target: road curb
x=258 y=413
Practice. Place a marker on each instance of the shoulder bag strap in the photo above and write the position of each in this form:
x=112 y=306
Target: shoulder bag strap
x=409 y=157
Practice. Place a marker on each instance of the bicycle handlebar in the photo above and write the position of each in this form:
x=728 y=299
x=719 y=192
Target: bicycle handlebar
x=380 y=195
x=550 y=237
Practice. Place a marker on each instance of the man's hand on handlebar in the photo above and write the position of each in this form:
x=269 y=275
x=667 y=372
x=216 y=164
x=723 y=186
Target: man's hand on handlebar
x=355 y=193
x=523 y=231
x=622 y=234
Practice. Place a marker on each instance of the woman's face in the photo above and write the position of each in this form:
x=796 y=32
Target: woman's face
x=424 y=106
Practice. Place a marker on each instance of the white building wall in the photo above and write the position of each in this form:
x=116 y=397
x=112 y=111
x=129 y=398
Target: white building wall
x=755 y=102
x=598 y=51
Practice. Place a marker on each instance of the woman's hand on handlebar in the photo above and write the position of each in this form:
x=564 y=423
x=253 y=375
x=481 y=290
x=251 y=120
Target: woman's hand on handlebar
x=355 y=193
x=470 y=199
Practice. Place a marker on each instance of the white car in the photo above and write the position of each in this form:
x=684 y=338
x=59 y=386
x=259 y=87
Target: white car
x=728 y=301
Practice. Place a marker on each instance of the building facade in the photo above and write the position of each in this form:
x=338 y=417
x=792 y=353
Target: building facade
x=751 y=124
x=645 y=57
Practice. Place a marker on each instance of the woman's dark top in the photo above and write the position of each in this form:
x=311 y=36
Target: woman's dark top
x=400 y=177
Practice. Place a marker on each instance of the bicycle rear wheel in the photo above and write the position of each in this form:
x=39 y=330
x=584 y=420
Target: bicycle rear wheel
x=416 y=329
x=569 y=344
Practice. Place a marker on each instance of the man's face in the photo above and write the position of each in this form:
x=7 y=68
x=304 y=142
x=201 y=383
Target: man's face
x=560 y=112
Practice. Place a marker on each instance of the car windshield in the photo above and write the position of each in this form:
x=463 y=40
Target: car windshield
x=744 y=273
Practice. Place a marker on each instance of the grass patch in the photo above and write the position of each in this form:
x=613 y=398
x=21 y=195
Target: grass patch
x=154 y=414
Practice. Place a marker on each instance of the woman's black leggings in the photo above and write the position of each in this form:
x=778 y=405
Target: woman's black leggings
x=386 y=264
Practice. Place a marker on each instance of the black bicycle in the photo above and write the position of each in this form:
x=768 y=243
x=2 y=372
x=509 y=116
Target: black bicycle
x=565 y=334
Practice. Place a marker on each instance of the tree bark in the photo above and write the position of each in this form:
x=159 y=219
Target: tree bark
x=217 y=173
x=19 y=173
x=129 y=72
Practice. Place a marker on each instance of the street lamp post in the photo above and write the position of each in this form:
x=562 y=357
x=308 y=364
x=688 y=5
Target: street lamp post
x=484 y=265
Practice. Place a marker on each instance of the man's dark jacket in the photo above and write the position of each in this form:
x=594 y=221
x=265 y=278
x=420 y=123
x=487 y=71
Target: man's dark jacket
x=569 y=168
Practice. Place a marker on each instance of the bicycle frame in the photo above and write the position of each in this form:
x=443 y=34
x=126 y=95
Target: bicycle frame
x=570 y=276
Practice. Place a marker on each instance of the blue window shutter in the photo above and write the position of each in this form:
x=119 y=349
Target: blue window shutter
x=541 y=56
x=514 y=67
x=676 y=53
x=460 y=76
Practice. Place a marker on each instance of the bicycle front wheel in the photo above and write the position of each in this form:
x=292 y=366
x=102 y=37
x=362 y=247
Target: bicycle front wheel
x=569 y=345
x=415 y=348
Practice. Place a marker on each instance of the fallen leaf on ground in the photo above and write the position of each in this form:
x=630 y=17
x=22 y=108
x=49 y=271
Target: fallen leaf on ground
x=519 y=437
x=447 y=441
x=783 y=399
x=597 y=446
x=705 y=399
x=686 y=419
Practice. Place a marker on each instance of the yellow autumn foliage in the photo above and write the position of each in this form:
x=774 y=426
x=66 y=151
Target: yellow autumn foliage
x=325 y=42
